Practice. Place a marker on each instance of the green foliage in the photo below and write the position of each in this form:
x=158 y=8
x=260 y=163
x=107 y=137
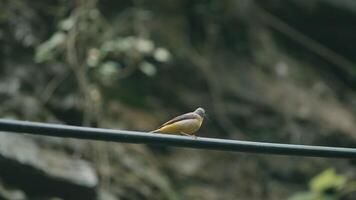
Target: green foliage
x=47 y=50
x=109 y=57
x=327 y=185
x=128 y=50
x=50 y=48
x=328 y=179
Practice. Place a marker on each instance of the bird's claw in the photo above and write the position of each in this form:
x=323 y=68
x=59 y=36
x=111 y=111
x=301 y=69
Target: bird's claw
x=186 y=134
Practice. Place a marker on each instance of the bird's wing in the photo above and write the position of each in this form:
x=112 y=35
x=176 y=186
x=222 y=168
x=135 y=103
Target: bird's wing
x=190 y=115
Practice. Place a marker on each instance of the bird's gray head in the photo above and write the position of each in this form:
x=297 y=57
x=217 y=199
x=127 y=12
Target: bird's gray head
x=200 y=111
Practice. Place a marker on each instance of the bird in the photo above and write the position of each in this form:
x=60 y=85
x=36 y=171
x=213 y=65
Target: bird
x=186 y=124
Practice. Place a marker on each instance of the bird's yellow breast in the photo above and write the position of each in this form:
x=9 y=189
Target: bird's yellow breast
x=188 y=126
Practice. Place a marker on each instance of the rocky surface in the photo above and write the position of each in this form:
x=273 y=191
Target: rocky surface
x=11 y=193
x=24 y=165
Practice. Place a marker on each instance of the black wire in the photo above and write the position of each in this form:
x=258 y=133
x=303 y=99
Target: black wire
x=15 y=126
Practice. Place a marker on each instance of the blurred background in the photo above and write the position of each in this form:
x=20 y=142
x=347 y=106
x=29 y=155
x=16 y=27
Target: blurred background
x=273 y=71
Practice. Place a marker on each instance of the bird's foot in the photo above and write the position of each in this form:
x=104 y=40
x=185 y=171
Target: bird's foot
x=186 y=134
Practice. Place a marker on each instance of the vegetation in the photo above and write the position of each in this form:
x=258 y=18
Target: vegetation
x=276 y=71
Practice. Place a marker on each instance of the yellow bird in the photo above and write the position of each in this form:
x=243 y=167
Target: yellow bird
x=186 y=124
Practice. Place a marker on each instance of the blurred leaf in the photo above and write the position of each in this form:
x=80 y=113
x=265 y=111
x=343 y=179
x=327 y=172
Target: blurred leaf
x=67 y=24
x=148 y=69
x=162 y=55
x=107 y=47
x=93 y=57
x=325 y=186
x=109 y=68
x=326 y=180
x=45 y=51
x=108 y=72
x=144 y=46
